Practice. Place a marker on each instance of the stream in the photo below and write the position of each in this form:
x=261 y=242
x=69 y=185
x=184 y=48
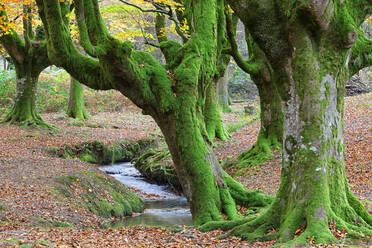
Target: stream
x=162 y=206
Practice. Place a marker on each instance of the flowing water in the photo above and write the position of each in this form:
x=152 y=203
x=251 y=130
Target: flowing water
x=162 y=206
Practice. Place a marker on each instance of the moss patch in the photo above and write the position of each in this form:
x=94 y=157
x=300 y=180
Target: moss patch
x=48 y=223
x=157 y=166
x=98 y=153
x=98 y=193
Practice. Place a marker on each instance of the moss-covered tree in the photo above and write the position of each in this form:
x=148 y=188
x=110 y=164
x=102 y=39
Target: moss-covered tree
x=308 y=44
x=171 y=94
x=271 y=116
x=209 y=111
x=29 y=55
x=76 y=108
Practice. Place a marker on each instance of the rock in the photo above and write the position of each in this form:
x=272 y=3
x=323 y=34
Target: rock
x=360 y=83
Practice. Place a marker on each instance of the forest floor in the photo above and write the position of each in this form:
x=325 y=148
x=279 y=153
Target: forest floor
x=28 y=172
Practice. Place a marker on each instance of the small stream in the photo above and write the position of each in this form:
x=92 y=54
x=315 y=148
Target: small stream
x=162 y=206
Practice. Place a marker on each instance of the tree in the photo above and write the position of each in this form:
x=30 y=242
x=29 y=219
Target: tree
x=172 y=94
x=223 y=90
x=308 y=45
x=29 y=56
x=76 y=108
x=271 y=116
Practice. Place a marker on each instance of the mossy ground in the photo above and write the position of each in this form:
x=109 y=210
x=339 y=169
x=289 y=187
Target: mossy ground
x=48 y=223
x=157 y=166
x=98 y=153
x=98 y=193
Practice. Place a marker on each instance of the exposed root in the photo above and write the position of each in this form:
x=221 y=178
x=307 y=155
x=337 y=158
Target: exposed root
x=259 y=152
x=78 y=114
x=257 y=229
x=31 y=121
x=318 y=228
x=222 y=133
x=244 y=197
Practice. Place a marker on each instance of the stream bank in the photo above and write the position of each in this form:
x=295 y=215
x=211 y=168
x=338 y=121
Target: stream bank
x=163 y=206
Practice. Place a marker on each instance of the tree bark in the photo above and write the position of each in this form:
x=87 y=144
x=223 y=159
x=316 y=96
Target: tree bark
x=310 y=66
x=76 y=108
x=223 y=91
x=24 y=111
x=271 y=124
x=212 y=114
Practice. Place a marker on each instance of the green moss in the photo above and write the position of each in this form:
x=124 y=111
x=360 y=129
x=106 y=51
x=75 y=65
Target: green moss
x=100 y=194
x=2 y=208
x=99 y=153
x=87 y=157
x=76 y=108
x=50 y=223
x=157 y=166
x=259 y=153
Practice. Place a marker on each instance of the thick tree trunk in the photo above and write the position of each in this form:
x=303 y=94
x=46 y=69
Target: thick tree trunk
x=209 y=190
x=24 y=110
x=212 y=114
x=76 y=108
x=314 y=191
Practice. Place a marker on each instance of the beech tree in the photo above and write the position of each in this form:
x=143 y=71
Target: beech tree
x=309 y=47
x=172 y=93
x=29 y=56
x=76 y=108
x=271 y=116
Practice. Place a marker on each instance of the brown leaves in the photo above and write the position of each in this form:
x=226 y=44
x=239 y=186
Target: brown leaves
x=339 y=234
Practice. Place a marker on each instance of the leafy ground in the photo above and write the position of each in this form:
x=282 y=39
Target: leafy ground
x=32 y=214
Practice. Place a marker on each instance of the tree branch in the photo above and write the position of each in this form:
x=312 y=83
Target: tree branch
x=161 y=11
x=246 y=66
x=83 y=30
x=12 y=42
x=361 y=56
x=62 y=51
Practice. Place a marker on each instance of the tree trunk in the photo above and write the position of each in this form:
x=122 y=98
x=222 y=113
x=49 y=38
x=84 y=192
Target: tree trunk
x=271 y=129
x=314 y=191
x=76 y=108
x=209 y=190
x=223 y=91
x=24 y=110
x=212 y=114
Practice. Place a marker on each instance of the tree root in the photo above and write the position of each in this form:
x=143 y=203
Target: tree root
x=314 y=229
x=33 y=121
x=259 y=152
x=244 y=197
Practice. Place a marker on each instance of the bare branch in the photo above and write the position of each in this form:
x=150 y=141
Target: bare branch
x=161 y=11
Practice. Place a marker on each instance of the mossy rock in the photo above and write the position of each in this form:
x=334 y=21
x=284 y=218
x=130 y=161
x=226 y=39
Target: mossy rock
x=98 y=193
x=157 y=166
x=98 y=153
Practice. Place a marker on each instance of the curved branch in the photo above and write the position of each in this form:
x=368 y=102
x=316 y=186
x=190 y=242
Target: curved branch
x=83 y=30
x=361 y=55
x=62 y=52
x=251 y=68
x=161 y=11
